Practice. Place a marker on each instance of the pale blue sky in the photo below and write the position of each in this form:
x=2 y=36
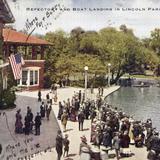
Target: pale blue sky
x=142 y=22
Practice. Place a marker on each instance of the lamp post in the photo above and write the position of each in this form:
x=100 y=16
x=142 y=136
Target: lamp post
x=109 y=71
x=85 y=77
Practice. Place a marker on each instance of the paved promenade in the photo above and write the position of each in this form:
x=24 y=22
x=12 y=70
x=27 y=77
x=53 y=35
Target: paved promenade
x=72 y=127
x=28 y=144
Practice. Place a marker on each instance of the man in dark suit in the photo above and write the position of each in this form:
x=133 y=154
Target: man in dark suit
x=59 y=145
x=37 y=124
x=79 y=96
x=81 y=120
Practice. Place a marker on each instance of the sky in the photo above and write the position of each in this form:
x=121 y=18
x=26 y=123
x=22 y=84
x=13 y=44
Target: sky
x=139 y=15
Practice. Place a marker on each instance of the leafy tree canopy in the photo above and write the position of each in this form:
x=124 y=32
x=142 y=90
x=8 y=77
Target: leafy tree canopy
x=126 y=53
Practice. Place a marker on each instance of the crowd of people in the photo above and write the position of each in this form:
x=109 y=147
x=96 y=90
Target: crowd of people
x=51 y=96
x=29 y=123
x=32 y=124
x=65 y=81
x=116 y=130
x=111 y=128
x=75 y=109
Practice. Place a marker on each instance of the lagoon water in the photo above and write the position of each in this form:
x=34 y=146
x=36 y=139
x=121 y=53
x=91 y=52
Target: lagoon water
x=142 y=103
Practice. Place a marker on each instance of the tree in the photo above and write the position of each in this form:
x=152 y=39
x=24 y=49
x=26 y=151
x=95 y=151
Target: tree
x=126 y=30
x=124 y=51
x=88 y=43
x=59 y=42
x=155 y=40
x=71 y=52
x=69 y=65
x=74 y=40
x=153 y=44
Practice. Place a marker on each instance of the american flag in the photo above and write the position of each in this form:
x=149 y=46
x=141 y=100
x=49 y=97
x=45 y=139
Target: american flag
x=16 y=61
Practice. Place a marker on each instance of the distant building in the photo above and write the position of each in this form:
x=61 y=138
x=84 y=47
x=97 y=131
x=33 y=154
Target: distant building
x=5 y=17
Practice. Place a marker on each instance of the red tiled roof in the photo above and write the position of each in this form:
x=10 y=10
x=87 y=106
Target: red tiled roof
x=12 y=36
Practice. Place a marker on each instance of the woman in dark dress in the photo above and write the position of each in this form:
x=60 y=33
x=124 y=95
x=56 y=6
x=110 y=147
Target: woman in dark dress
x=42 y=110
x=73 y=114
x=60 y=111
x=26 y=125
x=39 y=96
x=18 y=123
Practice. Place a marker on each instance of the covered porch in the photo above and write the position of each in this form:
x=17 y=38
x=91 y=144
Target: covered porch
x=32 y=50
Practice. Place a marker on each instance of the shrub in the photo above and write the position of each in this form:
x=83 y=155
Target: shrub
x=8 y=98
x=78 y=83
x=99 y=81
x=95 y=82
x=47 y=82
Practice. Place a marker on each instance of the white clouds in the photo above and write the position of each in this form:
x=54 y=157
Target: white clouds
x=140 y=21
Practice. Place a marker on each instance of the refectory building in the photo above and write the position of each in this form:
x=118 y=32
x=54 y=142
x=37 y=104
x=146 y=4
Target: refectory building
x=31 y=47
x=32 y=50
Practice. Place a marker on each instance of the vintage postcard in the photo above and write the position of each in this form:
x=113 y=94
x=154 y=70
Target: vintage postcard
x=79 y=79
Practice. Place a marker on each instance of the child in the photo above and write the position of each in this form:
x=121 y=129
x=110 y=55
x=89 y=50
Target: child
x=66 y=145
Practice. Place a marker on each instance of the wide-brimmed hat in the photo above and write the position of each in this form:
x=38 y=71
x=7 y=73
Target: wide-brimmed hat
x=83 y=138
x=66 y=135
x=18 y=110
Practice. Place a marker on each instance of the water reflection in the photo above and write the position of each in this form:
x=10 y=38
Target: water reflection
x=142 y=103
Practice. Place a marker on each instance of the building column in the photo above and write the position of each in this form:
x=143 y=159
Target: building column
x=6 y=50
x=28 y=78
x=15 y=49
x=5 y=80
x=42 y=52
x=34 y=53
